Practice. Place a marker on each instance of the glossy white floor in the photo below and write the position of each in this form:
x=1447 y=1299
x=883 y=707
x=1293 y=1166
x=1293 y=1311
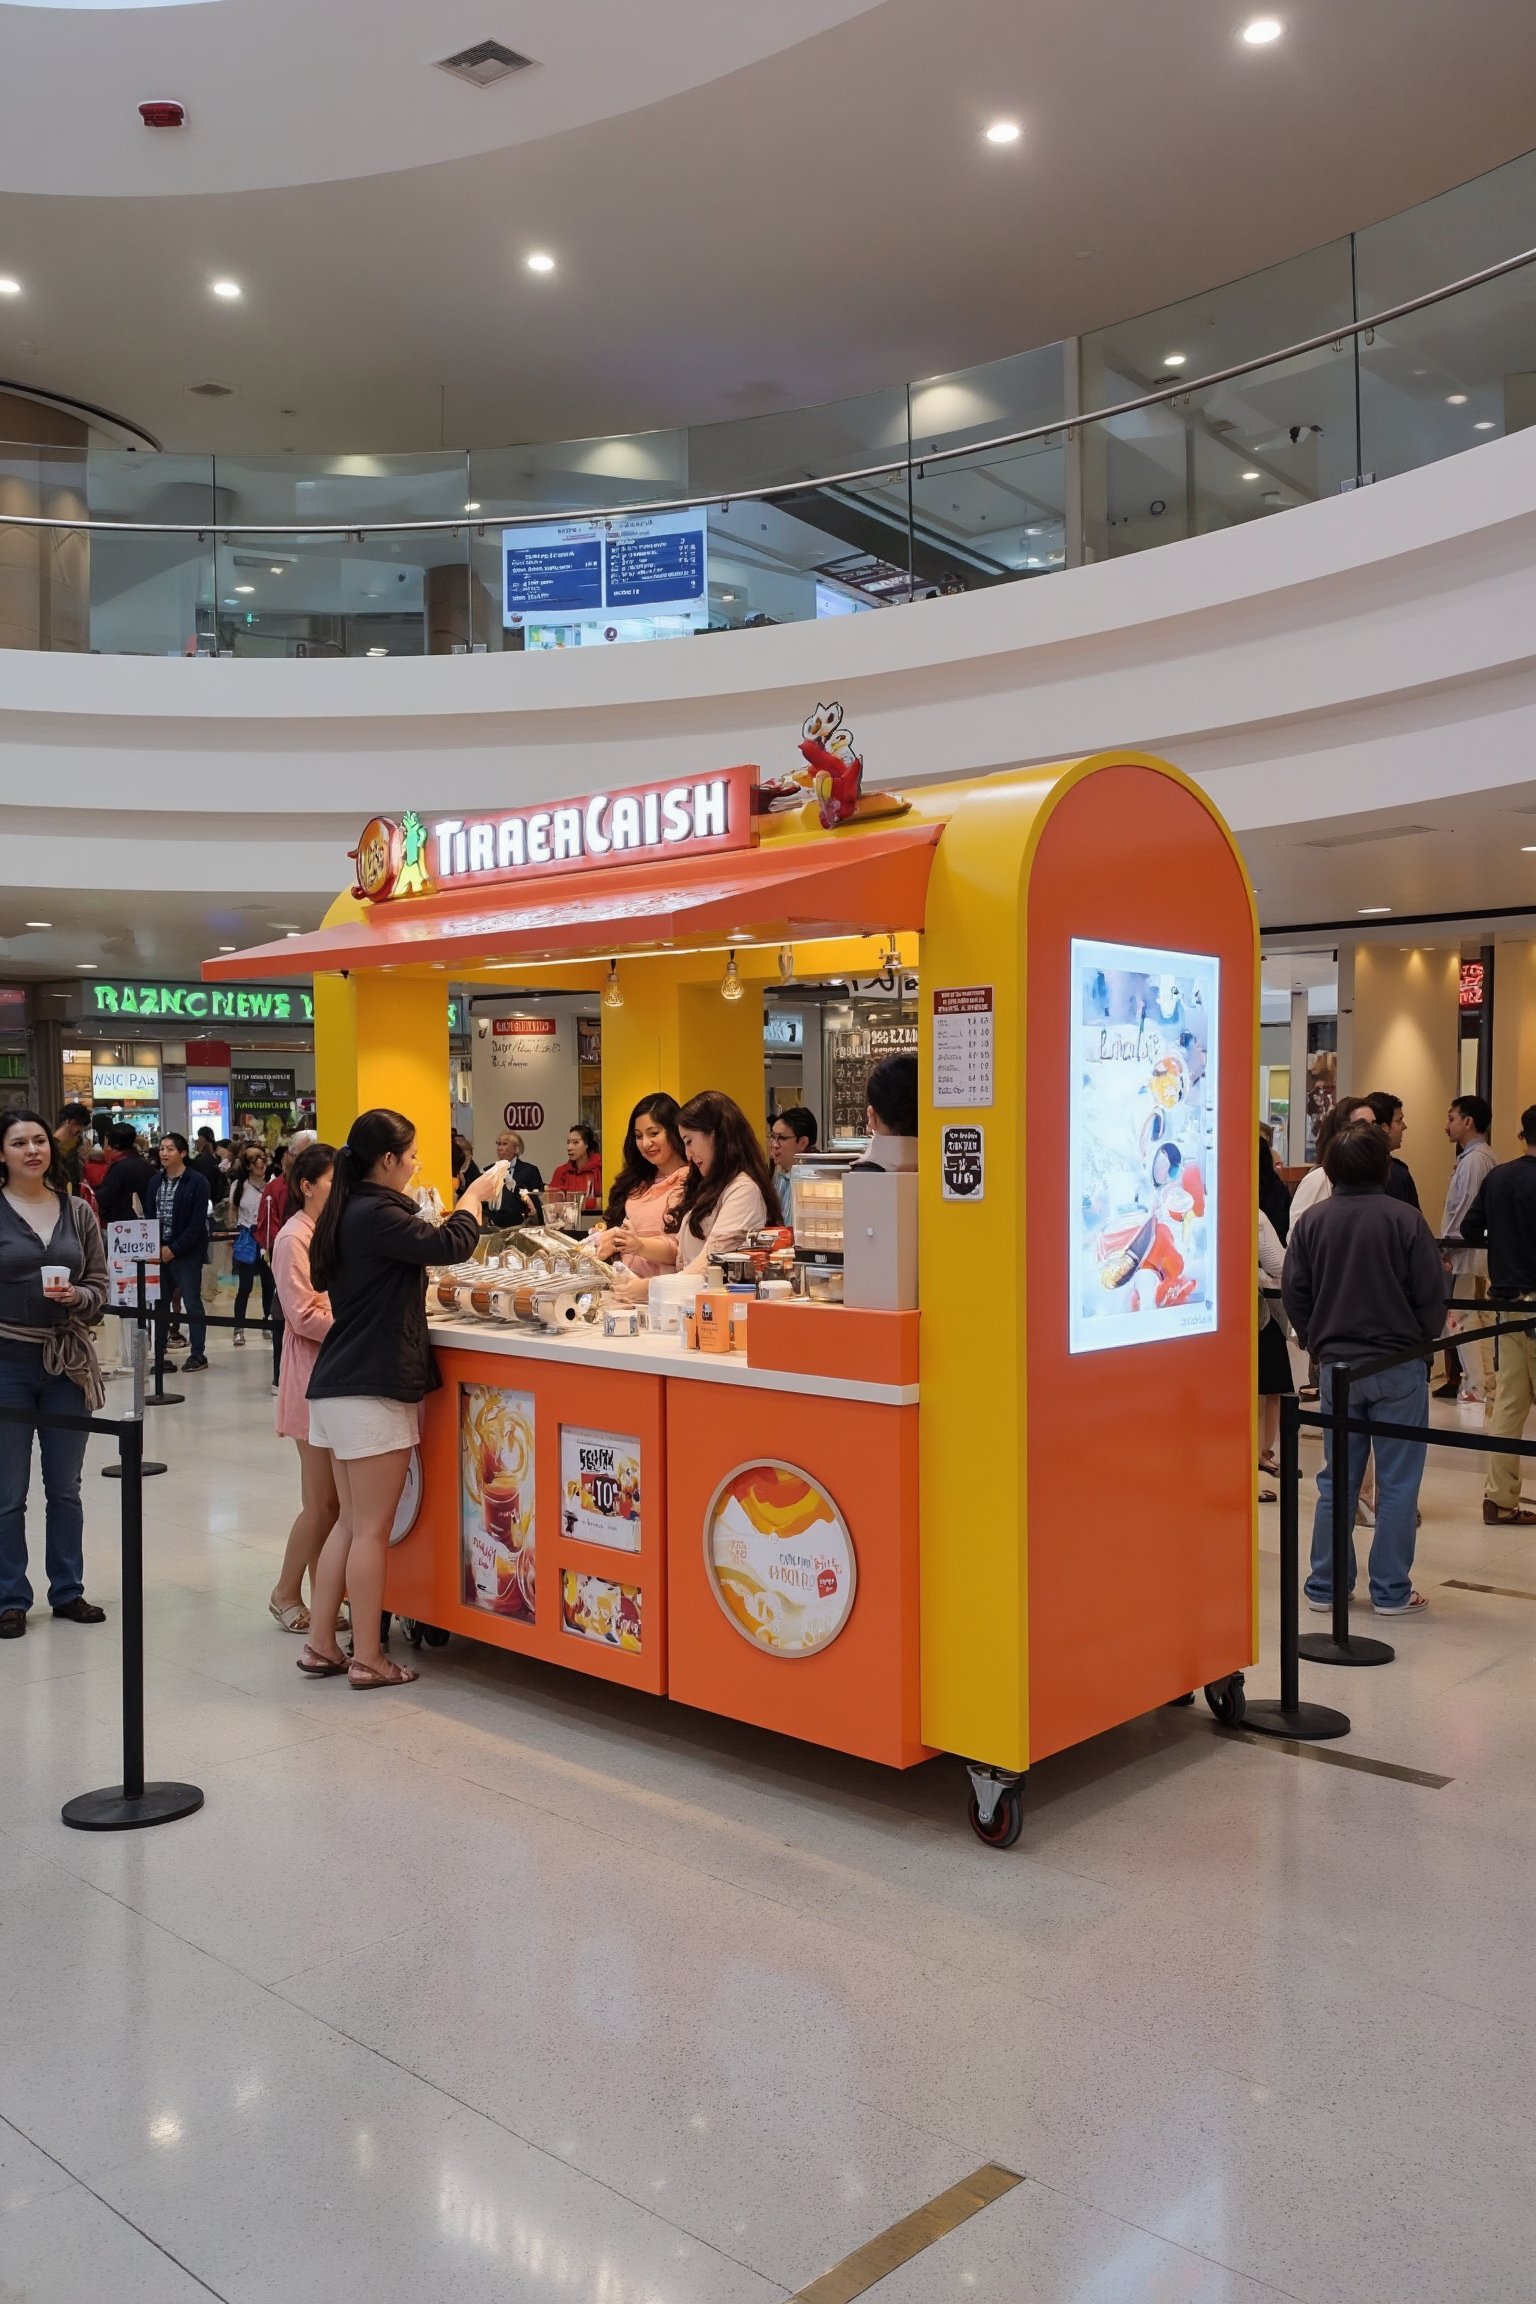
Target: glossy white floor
x=507 y=1987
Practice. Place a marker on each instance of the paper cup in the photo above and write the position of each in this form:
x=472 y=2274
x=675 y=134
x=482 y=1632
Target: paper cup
x=56 y=1276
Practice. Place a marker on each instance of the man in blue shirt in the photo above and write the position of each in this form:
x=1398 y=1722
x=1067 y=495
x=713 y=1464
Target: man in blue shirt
x=182 y=1204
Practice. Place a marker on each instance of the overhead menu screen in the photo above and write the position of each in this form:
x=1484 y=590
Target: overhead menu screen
x=650 y=564
x=1142 y=1144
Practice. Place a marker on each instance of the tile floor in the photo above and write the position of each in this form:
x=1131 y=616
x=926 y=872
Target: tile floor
x=512 y=1986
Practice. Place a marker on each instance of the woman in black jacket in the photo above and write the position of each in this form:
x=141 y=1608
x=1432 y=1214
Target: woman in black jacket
x=371 y=1251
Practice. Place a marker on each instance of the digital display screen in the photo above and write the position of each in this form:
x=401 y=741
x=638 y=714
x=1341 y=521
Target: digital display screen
x=607 y=573
x=1142 y=1144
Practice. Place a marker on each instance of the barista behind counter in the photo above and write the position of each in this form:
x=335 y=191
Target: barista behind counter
x=891 y=1110
x=728 y=1193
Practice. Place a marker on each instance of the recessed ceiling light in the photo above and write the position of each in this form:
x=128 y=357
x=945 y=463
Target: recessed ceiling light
x=275 y=571
x=1531 y=851
x=474 y=507
x=294 y=932
x=243 y=589
x=89 y=965
x=1004 y=132
x=375 y=651
x=1262 y=30
x=9 y=287
x=539 y=262
x=1252 y=475
x=39 y=923
x=226 y=947
x=1485 y=424
x=1174 y=359
x=1366 y=910
x=290 y=925
x=228 y=289
x=1455 y=399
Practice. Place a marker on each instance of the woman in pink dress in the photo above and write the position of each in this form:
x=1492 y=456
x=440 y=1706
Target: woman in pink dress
x=307 y=1315
x=653 y=1172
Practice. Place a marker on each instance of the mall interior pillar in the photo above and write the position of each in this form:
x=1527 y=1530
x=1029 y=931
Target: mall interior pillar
x=676 y=1032
x=382 y=1038
x=1407 y=1041
x=45 y=573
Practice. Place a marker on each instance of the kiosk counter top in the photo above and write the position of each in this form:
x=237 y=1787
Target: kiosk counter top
x=665 y=1356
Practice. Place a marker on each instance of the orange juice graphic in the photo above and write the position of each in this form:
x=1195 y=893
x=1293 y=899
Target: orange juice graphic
x=781 y=1559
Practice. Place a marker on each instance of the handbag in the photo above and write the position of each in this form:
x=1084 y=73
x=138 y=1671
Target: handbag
x=246 y=1251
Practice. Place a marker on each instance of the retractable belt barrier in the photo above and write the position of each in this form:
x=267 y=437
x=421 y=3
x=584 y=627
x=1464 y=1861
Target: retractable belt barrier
x=1289 y=1716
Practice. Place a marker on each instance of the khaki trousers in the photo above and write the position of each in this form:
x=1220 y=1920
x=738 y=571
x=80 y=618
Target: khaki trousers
x=1511 y=1406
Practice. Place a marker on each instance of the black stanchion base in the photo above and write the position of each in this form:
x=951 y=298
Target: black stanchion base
x=115 y=1810
x=1306 y=1724
x=1322 y=1648
x=164 y=1399
x=115 y=1471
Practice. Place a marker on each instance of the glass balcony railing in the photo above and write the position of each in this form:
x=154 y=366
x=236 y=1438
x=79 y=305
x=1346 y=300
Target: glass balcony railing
x=1403 y=344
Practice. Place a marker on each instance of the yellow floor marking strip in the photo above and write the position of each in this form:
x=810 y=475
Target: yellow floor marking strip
x=858 y=2273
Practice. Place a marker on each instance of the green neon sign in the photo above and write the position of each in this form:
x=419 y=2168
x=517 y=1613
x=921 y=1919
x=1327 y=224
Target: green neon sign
x=200 y=1003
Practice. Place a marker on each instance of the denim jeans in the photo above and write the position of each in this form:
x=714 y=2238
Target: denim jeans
x=23 y=1385
x=1400 y=1396
x=186 y=1273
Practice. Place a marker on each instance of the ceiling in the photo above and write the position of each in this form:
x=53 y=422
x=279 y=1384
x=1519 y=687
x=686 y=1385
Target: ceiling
x=168 y=937
x=1467 y=859
x=750 y=209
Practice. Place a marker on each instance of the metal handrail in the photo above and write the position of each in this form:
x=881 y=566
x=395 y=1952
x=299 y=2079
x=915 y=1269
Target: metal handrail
x=1064 y=426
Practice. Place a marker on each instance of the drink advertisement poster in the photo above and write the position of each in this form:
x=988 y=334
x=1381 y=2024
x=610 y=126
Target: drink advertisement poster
x=594 y=1609
x=780 y=1559
x=496 y=1466
x=600 y=1488
x=1142 y=1145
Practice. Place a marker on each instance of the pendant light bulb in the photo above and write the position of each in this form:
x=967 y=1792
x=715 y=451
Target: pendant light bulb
x=786 y=963
x=731 y=985
x=890 y=958
x=613 y=990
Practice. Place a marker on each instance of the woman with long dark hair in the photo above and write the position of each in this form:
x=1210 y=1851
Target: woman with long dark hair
x=247 y=1184
x=727 y=1192
x=651 y=1179
x=53 y=1285
x=307 y=1321
x=370 y=1252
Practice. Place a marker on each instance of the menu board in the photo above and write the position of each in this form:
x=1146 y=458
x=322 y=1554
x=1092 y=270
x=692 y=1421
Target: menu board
x=600 y=1488
x=584 y=571
x=962 y=1045
x=496 y=1469
x=1142 y=1144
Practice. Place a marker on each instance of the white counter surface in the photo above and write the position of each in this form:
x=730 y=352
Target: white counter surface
x=656 y=1356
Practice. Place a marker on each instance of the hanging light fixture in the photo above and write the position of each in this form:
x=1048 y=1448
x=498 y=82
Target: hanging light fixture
x=786 y=963
x=890 y=958
x=613 y=990
x=731 y=985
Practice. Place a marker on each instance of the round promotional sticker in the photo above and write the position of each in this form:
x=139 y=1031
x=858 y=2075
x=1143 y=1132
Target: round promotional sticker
x=779 y=1558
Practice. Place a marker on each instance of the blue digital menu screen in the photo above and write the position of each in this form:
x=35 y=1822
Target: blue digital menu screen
x=651 y=572
x=633 y=566
x=561 y=575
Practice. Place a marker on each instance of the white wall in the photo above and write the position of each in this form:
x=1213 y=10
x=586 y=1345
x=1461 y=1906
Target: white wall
x=1334 y=659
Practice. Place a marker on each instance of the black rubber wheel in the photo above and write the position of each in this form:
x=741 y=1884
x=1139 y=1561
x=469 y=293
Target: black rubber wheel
x=1007 y=1820
x=1180 y=1703
x=434 y=1636
x=414 y=1633
x=1227 y=1701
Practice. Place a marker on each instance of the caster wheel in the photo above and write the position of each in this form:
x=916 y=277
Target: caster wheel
x=434 y=1636
x=1007 y=1820
x=414 y=1633
x=1179 y=1703
x=1227 y=1701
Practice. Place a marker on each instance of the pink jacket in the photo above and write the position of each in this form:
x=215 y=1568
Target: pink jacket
x=308 y=1317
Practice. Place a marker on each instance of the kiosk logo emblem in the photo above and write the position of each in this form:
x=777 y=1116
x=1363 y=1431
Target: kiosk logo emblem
x=527 y=1119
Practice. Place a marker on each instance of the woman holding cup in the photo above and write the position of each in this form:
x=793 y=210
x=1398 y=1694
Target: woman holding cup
x=53 y=1285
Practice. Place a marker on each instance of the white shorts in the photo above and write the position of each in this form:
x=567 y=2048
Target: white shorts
x=363 y=1426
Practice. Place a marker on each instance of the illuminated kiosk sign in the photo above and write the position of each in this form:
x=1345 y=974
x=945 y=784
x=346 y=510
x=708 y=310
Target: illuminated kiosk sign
x=202 y=1003
x=1142 y=1144
x=415 y=856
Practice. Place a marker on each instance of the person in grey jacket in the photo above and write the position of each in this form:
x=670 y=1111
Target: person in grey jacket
x=1363 y=1278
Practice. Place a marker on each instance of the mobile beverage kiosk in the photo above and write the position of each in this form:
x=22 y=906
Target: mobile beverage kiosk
x=993 y=1526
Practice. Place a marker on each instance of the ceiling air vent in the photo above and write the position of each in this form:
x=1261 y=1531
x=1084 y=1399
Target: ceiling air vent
x=1369 y=839
x=213 y=391
x=485 y=62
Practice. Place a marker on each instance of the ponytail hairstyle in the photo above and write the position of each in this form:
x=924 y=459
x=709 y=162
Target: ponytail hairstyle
x=737 y=1153
x=373 y=1137
x=307 y=1167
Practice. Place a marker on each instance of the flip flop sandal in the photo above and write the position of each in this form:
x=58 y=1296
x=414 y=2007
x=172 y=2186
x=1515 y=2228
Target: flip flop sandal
x=316 y=1667
x=1271 y=1465
x=293 y=1618
x=1269 y=1496
x=369 y=1676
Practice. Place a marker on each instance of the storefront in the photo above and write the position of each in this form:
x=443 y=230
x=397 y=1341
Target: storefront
x=993 y=1525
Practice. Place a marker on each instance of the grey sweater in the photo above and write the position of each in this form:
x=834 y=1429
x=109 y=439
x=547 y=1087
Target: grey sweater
x=1363 y=1276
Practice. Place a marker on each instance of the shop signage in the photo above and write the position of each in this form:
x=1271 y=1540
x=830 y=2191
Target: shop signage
x=962 y=1164
x=892 y=1039
x=415 y=856
x=200 y=1003
x=264 y=1087
x=522 y=1117
x=962 y=1045
x=115 y=1083
x=1471 y=984
x=779 y=1558
x=130 y=1244
x=524 y=1027
x=600 y=1488
x=783 y=1028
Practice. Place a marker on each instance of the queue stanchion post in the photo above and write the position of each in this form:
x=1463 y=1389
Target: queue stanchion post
x=160 y=1398
x=132 y=1805
x=138 y=1354
x=1303 y=1723
x=1339 y=1645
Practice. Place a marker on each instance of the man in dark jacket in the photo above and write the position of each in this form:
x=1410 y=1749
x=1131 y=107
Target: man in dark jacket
x=181 y=1202
x=1503 y=1215
x=1363 y=1278
x=129 y=1185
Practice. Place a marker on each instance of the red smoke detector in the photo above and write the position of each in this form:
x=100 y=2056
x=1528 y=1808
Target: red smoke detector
x=163 y=112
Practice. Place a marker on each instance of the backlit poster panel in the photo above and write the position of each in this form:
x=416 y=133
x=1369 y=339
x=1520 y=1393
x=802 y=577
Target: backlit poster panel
x=1142 y=1144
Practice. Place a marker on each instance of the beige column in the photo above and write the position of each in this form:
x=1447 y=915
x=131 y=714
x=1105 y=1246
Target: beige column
x=45 y=573
x=1407 y=1041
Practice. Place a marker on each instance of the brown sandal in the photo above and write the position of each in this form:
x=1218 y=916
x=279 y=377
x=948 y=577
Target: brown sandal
x=1508 y=1515
x=389 y=1675
x=314 y=1666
